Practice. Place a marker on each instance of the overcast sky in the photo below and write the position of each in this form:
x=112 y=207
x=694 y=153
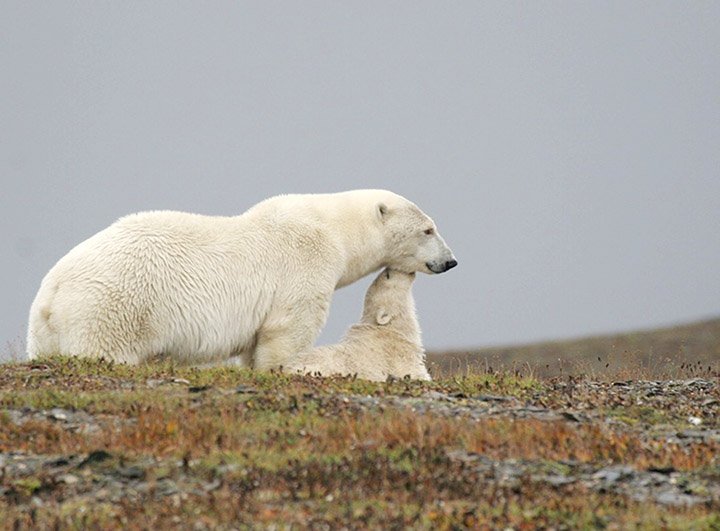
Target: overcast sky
x=568 y=151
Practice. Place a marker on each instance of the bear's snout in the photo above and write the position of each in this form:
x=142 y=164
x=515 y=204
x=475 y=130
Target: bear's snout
x=441 y=268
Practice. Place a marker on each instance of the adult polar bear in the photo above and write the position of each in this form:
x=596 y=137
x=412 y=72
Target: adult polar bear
x=252 y=290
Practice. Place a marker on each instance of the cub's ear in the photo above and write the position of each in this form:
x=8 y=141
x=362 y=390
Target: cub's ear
x=382 y=210
x=382 y=317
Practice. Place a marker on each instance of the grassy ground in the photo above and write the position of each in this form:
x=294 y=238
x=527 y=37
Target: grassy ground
x=689 y=350
x=95 y=444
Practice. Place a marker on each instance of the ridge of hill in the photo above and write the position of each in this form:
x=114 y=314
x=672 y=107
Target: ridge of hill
x=693 y=348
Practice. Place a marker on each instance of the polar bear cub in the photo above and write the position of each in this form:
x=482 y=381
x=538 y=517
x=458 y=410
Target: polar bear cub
x=386 y=341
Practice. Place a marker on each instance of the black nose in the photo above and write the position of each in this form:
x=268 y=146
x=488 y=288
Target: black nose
x=450 y=264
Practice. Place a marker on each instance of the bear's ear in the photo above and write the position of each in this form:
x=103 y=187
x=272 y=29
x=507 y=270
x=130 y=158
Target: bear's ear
x=382 y=210
x=382 y=317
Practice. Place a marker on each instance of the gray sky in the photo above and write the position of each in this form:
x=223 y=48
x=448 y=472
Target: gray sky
x=568 y=151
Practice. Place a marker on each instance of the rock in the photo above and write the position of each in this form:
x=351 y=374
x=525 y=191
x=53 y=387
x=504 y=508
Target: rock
x=614 y=473
x=492 y=398
x=533 y=409
x=662 y=469
x=697 y=382
x=131 y=472
x=56 y=463
x=691 y=434
x=213 y=485
x=68 y=479
x=464 y=456
x=166 y=487
x=435 y=395
x=58 y=414
x=572 y=417
x=557 y=481
x=98 y=456
x=675 y=499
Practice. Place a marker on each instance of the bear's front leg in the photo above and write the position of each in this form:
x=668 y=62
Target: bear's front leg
x=288 y=331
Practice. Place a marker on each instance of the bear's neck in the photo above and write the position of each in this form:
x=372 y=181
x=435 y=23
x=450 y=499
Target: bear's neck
x=363 y=249
x=359 y=262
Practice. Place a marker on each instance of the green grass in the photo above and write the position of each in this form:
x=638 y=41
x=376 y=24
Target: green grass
x=640 y=415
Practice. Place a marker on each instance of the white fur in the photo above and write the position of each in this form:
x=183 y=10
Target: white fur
x=385 y=343
x=253 y=288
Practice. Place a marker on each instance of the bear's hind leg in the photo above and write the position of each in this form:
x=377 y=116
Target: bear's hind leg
x=277 y=346
x=242 y=360
x=289 y=332
x=279 y=341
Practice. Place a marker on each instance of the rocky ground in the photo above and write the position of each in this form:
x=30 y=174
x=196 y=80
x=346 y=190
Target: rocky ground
x=92 y=444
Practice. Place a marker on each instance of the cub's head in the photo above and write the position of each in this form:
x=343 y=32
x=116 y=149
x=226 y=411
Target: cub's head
x=412 y=241
x=389 y=298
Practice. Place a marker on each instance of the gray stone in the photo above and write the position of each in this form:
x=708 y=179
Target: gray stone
x=68 y=479
x=58 y=414
x=557 y=481
x=674 y=498
x=691 y=434
x=492 y=398
x=131 y=472
x=613 y=474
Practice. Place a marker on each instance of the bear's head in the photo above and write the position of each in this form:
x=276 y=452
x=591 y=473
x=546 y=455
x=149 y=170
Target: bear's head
x=412 y=241
x=389 y=299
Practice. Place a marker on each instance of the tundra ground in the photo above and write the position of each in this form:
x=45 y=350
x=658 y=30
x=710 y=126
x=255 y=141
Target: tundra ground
x=86 y=443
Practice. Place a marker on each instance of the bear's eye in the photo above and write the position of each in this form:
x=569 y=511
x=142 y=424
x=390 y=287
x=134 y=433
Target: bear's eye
x=429 y=231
